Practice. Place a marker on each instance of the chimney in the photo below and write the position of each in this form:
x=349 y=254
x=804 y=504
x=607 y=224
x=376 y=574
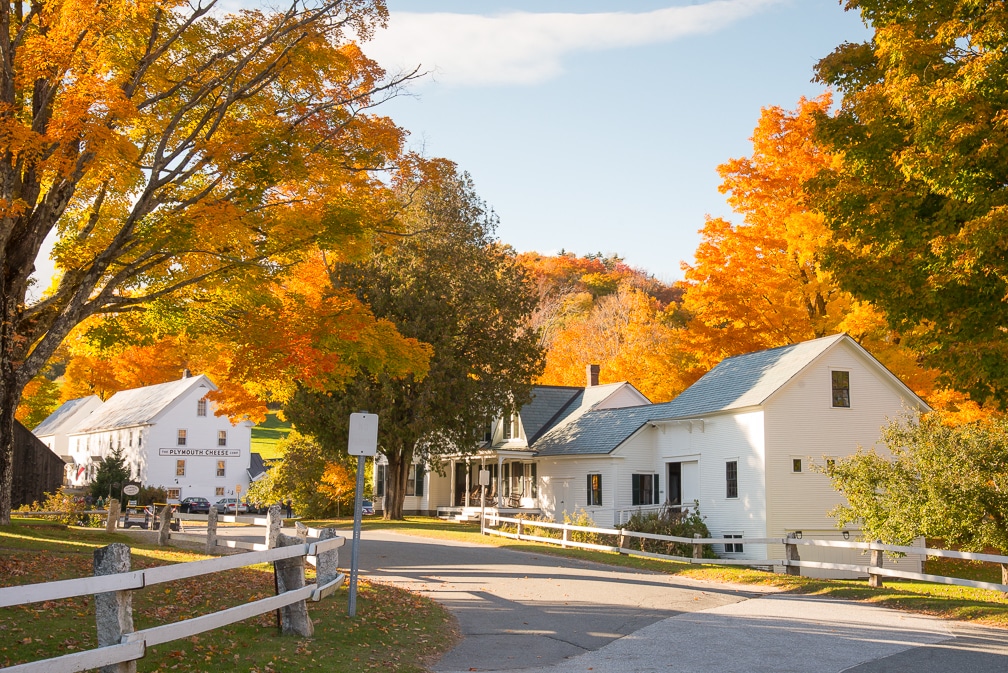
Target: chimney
x=592 y=372
x=186 y=374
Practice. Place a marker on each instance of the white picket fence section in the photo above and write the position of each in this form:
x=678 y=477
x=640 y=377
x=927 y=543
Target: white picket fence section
x=874 y=570
x=133 y=645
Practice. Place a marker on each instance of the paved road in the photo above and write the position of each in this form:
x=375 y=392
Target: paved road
x=529 y=612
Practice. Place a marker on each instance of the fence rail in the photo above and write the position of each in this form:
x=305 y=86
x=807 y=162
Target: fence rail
x=874 y=570
x=279 y=549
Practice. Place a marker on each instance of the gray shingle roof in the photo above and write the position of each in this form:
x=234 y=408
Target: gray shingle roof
x=546 y=408
x=66 y=417
x=139 y=406
x=735 y=383
x=748 y=380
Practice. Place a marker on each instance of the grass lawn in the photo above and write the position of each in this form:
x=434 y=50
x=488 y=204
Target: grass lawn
x=947 y=601
x=266 y=436
x=393 y=631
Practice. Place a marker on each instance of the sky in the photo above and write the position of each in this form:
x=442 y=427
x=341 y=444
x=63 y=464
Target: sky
x=598 y=125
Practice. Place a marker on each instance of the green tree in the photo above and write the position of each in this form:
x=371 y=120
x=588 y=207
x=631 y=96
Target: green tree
x=919 y=202
x=941 y=481
x=112 y=475
x=449 y=284
x=170 y=147
x=296 y=477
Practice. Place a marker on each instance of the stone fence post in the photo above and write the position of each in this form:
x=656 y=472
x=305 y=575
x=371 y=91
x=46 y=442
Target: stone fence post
x=164 y=533
x=211 y=530
x=290 y=575
x=113 y=516
x=791 y=554
x=327 y=562
x=113 y=609
x=274 y=521
x=697 y=548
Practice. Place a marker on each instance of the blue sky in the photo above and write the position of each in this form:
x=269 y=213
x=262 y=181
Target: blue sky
x=597 y=126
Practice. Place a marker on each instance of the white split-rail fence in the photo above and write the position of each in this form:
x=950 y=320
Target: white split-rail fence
x=288 y=554
x=792 y=562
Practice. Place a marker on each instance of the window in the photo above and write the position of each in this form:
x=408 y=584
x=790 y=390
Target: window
x=733 y=547
x=415 y=480
x=533 y=481
x=595 y=489
x=220 y=468
x=219 y=490
x=173 y=493
x=179 y=468
x=644 y=489
x=201 y=407
x=222 y=438
x=380 y=481
x=731 y=479
x=796 y=465
x=131 y=438
x=507 y=426
x=181 y=438
x=841 y=388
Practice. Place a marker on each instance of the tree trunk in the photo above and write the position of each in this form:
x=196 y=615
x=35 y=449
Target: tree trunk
x=10 y=396
x=395 y=482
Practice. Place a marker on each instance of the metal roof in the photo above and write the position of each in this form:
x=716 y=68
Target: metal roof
x=67 y=416
x=139 y=406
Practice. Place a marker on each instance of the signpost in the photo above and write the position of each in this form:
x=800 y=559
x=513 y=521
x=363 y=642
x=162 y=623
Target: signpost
x=484 y=481
x=363 y=442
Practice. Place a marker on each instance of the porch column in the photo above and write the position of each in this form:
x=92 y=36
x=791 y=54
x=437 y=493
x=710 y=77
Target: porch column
x=451 y=480
x=468 y=487
x=500 y=480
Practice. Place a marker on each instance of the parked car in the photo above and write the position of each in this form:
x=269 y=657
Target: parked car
x=194 y=506
x=256 y=507
x=229 y=505
x=367 y=507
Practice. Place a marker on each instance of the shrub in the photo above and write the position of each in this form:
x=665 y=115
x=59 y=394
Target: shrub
x=672 y=522
x=582 y=518
x=71 y=509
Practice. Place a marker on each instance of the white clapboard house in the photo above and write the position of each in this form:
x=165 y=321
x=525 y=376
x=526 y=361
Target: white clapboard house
x=741 y=443
x=169 y=435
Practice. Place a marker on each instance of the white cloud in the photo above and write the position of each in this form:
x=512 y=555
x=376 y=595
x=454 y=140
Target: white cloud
x=529 y=48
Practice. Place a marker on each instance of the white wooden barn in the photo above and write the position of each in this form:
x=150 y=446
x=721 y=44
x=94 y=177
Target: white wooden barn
x=169 y=436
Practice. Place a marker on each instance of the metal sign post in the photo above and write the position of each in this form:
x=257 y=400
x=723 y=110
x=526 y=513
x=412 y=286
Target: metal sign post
x=363 y=442
x=484 y=481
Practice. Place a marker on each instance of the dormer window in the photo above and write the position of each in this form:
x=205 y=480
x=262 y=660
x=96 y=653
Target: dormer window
x=841 y=388
x=511 y=426
x=506 y=421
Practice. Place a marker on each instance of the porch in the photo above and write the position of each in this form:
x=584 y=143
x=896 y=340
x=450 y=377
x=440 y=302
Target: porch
x=510 y=486
x=473 y=513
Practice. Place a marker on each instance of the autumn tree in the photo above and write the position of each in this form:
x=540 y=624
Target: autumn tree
x=452 y=285
x=174 y=149
x=938 y=481
x=596 y=309
x=764 y=282
x=631 y=336
x=761 y=283
x=41 y=397
x=296 y=477
x=919 y=205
